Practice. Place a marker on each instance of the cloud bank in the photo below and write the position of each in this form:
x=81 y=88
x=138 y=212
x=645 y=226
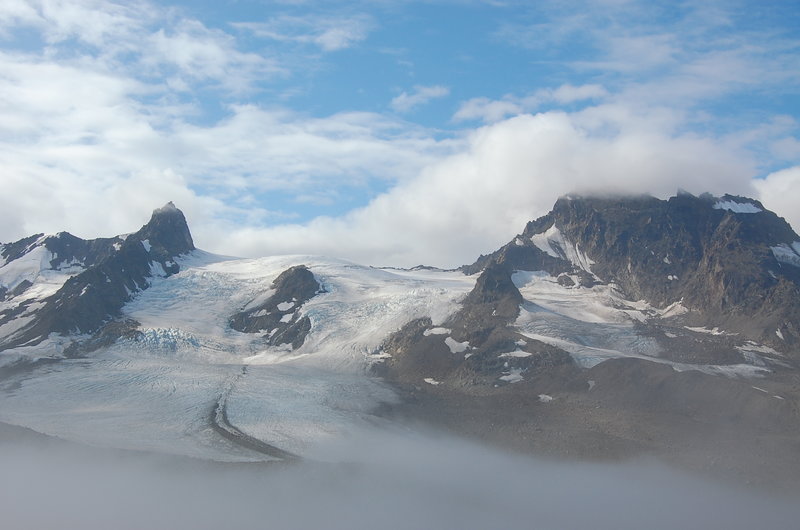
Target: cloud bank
x=389 y=482
x=108 y=110
x=509 y=173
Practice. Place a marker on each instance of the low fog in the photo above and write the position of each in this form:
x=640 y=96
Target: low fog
x=384 y=481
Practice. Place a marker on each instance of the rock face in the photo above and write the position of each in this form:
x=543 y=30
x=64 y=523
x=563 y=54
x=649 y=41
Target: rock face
x=475 y=346
x=278 y=318
x=727 y=259
x=107 y=273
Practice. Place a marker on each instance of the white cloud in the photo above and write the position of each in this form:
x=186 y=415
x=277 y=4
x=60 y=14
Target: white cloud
x=510 y=173
x=74 y=127
x=330 y=33
x=421 y=95
x=780 y=191
x=569 y=93
x=490 y=111
x=487 y=110
x=140 y=40
x=199 y=53
x=69 y=137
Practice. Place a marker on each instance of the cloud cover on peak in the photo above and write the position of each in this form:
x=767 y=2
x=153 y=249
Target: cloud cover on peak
x=277 y=127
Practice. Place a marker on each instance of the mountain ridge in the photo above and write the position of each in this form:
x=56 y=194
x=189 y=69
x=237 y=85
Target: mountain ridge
x=731 y=268
x=112 y=270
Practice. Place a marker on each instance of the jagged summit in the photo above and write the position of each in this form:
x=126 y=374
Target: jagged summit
x=167 y=231
x=728 y=259
x=81 y=285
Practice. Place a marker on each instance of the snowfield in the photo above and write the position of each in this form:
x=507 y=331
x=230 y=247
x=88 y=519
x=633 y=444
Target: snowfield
x=166 y=390
x=158 y=393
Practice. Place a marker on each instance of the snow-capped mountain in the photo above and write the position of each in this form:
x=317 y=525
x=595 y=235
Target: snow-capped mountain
x=65 y=285
x=143 y=341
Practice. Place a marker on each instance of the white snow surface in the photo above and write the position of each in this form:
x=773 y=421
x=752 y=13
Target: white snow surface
x=600 y=304
x=553 y=242
x=596 y=324
x=436 y=331
x=146 y=244
x=455 y=346
x=27 y=267
x=34 y=267
x=788 y=254
x=512 y=376
x=158 y=393
x=285 y=306
x=737 y=207
x=516 y=353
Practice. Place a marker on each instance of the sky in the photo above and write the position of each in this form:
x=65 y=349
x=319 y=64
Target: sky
x=388 y=132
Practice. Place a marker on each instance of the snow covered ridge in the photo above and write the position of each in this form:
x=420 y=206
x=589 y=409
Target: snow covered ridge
x=553 y=243
x=737 y=207
x=788 y=254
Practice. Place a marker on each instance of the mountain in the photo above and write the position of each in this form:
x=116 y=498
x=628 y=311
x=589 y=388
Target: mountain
x=728 y=260
x=695 y=280
x=610 y=326
x=92 y=279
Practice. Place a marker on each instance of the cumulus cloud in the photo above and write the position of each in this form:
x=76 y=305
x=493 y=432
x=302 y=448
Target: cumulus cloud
x=780 y=191
x=509 y=173
x=114 y=127
x=420 y=95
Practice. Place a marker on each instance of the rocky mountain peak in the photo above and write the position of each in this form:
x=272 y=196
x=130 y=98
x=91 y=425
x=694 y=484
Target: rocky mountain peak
x=728 y=259
x=167 y=231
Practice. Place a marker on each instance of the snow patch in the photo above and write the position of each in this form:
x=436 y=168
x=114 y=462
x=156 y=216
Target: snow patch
x=432 y=381
x=672 y=277
x=146 y=245
x=285 y=306
x=601 y=303
x=455 y=346
x=713 y=331
x=287 y=318
x=553 y=243
x=779 y=334
x=27 y=267
x=157 y=270
x=436 y=331
x=788 y=254
x=512 y=376
x=737 y=207
x=516 y=353
x=544 y=398
x=667 y=261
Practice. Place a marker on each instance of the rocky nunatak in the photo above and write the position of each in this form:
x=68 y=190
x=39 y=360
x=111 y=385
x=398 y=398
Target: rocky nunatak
x=475 y=346
x=279 y=318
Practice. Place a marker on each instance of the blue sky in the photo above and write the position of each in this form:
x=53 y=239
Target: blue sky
x=386 y=131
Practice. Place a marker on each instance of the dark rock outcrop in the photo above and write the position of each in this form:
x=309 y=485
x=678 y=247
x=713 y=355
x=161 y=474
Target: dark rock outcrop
x=490 y=350
x=115 y=269
x=716 y=255
x=278 y=318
